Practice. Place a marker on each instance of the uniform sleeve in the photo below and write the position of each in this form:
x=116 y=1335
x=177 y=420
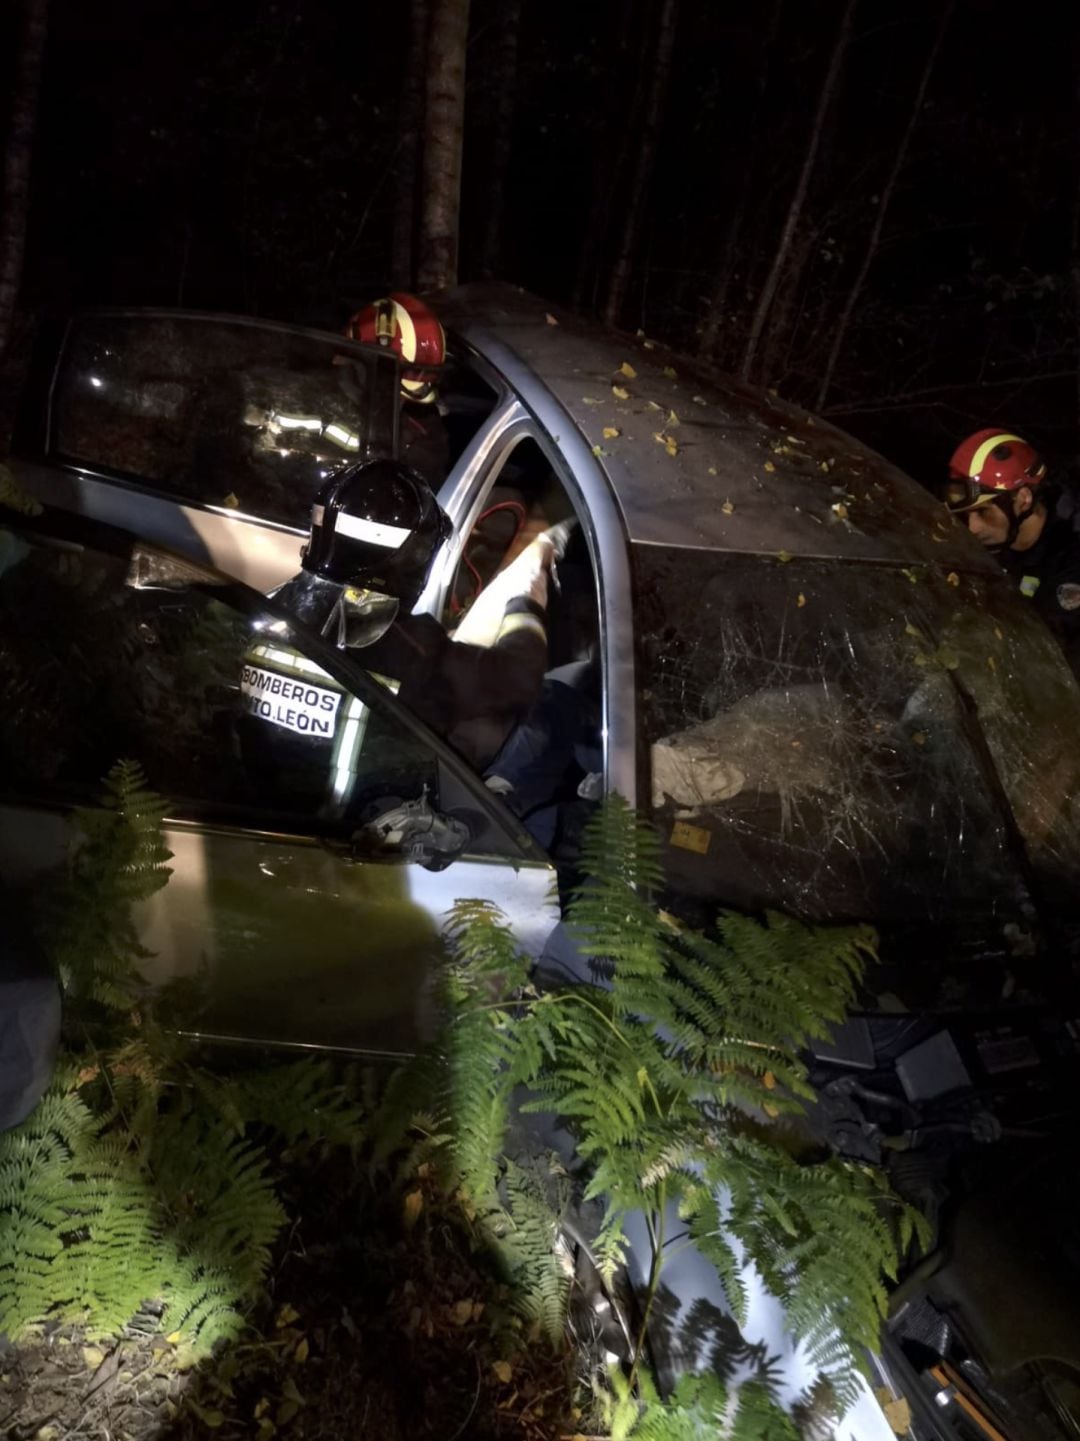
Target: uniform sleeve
x=504 y=677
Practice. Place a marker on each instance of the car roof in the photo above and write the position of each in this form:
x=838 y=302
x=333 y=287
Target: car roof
x=699 y=458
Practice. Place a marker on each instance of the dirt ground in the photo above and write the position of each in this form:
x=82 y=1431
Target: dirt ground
x=375 y=1324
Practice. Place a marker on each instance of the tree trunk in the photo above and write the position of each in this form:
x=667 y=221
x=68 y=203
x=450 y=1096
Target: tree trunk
x=798 y=199
x=650 y=137
x=407 y=170
x=874 y=237
x=607 y=175
x=444 y=123
x=16 y=193
x=714 y=316
x=506 y=56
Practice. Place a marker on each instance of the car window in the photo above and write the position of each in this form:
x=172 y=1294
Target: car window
x=226 y=712
x=220 y=412
x=845 y=740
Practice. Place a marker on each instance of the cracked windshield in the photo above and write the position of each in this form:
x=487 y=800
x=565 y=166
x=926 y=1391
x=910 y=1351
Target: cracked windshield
x=840 y=739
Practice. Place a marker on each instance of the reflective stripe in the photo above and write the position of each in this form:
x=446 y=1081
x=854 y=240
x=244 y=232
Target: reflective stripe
x=290 y=662
x=982 y=455
x=524 y=621
x=408 y=331
x=355 y=527
x=347 y=439
x=295 y=422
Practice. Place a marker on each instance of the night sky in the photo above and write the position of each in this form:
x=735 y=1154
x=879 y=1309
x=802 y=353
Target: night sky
x=241 y=156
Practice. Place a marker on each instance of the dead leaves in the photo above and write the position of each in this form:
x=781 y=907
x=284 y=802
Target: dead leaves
x=502 y=1371
x=611 y=432
x=728 y=508
x=620 y=392
x=627 y=370
x=670 y=444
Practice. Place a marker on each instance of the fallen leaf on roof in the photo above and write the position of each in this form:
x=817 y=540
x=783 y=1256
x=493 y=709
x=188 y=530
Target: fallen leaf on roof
x=599 y=450
x=998 y=632
x=649 y=344
x=611 y=432
x=728 y=508
x=795 y=440
x=910 y=574
x=840 y=510
x=991 y=662
x=628 y=370
x=826 y=466
x=769 y=466
x=654 y=405
x=712 y=470
x=783 y=556
x=232 y=500
x=669 y=442
x=672 y=418
x=671 y=372
x=953 y=578
x=801 y=600
x=589 y=400
x=620 y=392
x=699 y=400
x=550 y=318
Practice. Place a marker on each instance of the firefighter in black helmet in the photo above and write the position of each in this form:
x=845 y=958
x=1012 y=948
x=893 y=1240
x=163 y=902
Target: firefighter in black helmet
x=375 y=531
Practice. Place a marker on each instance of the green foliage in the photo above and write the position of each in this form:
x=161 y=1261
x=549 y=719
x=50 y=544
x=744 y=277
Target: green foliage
x=142 y=1177
x=682 y=1084
x=88 y=927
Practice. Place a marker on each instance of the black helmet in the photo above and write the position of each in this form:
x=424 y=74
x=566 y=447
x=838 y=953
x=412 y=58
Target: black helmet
x=376 y=527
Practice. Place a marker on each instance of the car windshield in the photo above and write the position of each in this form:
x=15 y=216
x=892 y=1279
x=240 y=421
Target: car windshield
x=856 y=741
x=220 y=412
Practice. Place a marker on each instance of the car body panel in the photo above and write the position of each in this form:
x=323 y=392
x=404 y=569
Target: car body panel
x=782 y=471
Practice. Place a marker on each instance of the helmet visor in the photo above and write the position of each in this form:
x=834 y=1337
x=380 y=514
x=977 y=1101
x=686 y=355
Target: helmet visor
x=360 y=618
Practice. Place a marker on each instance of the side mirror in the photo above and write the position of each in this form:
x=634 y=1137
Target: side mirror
x=412 y=831
x=151 y=568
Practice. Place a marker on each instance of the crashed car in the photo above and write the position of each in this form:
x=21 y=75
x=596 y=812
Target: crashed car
x=820 y=688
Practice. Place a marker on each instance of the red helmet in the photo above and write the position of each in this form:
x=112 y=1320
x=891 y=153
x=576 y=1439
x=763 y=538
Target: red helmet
x=991 y=461
x=412 y=331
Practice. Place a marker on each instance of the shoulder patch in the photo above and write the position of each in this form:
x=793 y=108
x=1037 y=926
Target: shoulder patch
x=1068 y=596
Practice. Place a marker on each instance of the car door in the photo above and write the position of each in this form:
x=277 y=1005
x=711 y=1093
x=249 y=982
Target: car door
x=210 y=434
x=308 y=892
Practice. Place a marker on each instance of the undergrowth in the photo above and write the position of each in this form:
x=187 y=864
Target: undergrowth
x=682 y=1084
x=143 y=1181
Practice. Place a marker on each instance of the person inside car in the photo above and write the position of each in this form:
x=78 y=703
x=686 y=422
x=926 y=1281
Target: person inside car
x=998 y=487
x=376 y=529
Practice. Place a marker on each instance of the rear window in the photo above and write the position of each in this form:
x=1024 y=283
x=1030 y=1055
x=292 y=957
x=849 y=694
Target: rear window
x=847 y=740
x=219 y=412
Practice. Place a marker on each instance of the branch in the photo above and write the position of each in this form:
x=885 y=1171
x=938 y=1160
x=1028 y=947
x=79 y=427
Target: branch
x=915 y=397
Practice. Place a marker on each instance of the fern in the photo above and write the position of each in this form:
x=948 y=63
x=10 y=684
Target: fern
x=141 y=1176
x=674 y=1081
x=88 y=928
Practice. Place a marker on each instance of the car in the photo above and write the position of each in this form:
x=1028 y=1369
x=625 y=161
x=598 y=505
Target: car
x=820 y=687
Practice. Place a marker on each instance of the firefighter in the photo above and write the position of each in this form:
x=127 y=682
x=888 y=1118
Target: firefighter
x=376 y=529
x=405 y=325
x=998 y=488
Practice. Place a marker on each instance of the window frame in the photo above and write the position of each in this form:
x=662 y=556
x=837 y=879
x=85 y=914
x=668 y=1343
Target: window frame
x=458 y=783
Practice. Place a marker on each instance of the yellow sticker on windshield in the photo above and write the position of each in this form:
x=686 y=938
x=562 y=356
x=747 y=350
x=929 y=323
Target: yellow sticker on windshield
x=690 y=838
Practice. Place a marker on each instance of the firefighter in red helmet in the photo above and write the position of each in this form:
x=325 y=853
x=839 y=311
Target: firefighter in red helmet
x=998 y=488
x=412 y=330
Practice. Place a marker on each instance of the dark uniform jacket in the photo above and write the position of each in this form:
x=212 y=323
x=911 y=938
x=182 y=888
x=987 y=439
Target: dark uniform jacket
x=1049 y=575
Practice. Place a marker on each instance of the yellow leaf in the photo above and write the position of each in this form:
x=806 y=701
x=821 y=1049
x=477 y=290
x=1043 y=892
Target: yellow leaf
x=769 y=1081
x=801 y=601
x=303 y=1350
x=261 y=1407
x=92 y=1356
x=462 y=1313
x=620 y=392
x=611 y=432
x=713 y=470
x=672 y=418
x=671 y=372
x=953 y=578
x=672 y=922
x=502 y=1371
x=997 y=632
x=649 y=344
x=840 y=510
x=414 y=1204
x=589 y=400
x=173 y=1338
x=671 y=445
x=286 y=1316
x=628 y=370
x=232 y=500
x=728 y=508
x=769 y=466
x=770 y=1110
x=991 y=662
x=783 y=556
